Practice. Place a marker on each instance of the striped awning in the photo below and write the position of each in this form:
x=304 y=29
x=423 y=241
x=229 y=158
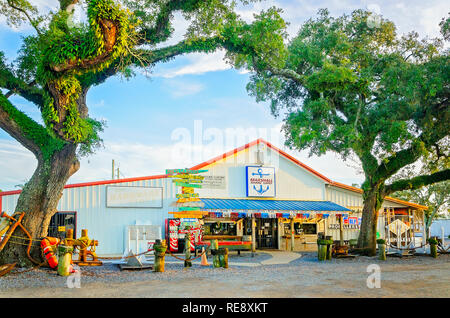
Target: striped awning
x=258 y=205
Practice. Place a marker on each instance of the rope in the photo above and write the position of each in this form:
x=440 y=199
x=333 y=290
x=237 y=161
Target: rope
x=20 y=243
x=190 y=259
x=25 y=238
x=30 y=239
x=31 y=269
x=121 y=257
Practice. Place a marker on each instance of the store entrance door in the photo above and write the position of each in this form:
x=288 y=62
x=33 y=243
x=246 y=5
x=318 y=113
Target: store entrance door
x=267 y=233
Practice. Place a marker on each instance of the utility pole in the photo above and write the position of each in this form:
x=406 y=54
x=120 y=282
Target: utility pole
x=118 y=175
x=113 y=169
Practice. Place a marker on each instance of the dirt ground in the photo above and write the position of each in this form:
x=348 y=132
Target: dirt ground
x=306 y=277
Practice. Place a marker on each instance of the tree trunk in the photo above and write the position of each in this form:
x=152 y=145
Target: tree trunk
x=367 y=239
x=39 y=199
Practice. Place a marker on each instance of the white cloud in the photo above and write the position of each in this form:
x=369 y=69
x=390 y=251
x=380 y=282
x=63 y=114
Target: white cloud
x=431 y=17
x=178 y=88
x=17 y=164
x=198 y=63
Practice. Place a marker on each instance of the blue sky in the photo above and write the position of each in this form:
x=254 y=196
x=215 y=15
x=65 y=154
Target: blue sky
x=145 y=115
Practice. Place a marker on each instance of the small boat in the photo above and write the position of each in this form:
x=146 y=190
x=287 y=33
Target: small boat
x=5 y=269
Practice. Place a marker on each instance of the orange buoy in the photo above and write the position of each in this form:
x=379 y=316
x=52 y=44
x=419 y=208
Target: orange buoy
x=48 y=246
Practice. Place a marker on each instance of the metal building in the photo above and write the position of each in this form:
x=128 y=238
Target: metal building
x=256 y=182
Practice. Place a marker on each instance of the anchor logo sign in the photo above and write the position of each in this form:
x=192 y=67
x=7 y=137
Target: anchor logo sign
x=261 y=189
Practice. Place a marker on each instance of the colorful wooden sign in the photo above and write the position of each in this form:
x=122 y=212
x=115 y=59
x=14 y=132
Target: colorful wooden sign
x=186 y=195
x=188 y=185
x=188 y=201
x=183 y=171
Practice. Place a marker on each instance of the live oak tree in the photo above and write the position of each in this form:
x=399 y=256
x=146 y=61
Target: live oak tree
x=61 y=61
x=352 y=86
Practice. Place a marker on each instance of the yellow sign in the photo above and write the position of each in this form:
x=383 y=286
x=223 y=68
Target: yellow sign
x=189 y=214
x=61 y=228
x=182 y=200
x=187 y=190
x=187 y=176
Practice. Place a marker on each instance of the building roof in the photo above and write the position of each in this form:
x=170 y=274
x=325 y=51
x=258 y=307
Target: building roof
x=354 y=189
x=273 y=205
x=223 y=156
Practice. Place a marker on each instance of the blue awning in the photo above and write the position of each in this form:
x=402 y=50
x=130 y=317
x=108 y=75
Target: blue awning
x=272 y=205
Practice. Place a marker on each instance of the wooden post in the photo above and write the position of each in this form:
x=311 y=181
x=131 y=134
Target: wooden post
x=159 y=248
x=341 y=230
x=292 y=235
x=253 y=236
x=322 y=252
x=64 y=260
x=225 y=258
x=433 y=250
x=329 y=251
x=214 y=251
x=382 y=251
x=187 y=250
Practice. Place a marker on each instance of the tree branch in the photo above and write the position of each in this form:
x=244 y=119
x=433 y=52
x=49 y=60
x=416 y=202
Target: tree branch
x=33 y=23
x=417 y=182
x=161 y=31
x=287 y=73
x=407 y=156
x=21 y=127
x=17 y=86
x=147 y=58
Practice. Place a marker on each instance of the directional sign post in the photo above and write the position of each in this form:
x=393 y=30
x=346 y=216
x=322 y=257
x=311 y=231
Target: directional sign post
x=188 y=180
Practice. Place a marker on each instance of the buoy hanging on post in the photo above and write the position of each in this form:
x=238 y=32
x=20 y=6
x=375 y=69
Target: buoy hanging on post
x=48 y=246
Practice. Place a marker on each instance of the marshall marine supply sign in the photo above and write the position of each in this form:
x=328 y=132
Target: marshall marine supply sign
x=260 y=181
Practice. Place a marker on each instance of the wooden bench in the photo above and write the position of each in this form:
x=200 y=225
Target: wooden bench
x=231 y=245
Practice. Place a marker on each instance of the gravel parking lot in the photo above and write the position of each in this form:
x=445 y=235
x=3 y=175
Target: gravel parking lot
x=414 y=276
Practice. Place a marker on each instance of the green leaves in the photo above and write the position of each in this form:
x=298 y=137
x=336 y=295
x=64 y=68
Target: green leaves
x=331 y=77
x=259 y=45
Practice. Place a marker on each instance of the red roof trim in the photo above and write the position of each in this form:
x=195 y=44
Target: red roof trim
x=301 y=164
x=347 y=187
x=94 y=183
x=225 y=155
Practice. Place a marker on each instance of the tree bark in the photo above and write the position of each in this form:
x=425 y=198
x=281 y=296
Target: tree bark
x=39 y=200
x=367 y=239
